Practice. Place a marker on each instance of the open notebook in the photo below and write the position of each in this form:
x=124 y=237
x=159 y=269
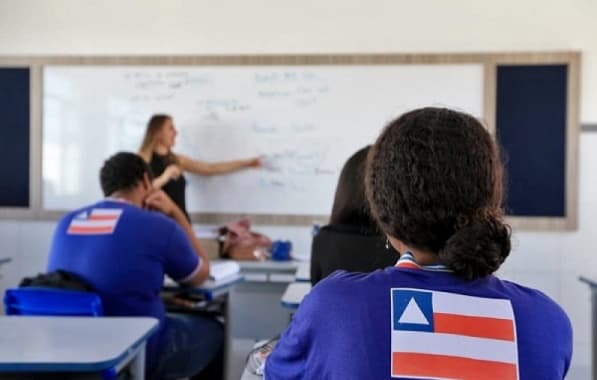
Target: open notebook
x=222 y=269
x=220 y=272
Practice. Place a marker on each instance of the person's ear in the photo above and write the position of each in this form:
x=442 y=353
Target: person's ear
x=396 y=243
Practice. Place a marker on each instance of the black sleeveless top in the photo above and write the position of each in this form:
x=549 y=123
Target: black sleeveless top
x=175 y=188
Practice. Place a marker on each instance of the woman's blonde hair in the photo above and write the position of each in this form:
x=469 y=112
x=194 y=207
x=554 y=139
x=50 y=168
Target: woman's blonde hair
x=154 y=127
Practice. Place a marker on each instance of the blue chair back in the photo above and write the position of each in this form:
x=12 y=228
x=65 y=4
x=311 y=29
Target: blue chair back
x=51 y=301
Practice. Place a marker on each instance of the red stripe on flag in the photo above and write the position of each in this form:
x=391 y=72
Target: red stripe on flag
x=479 y=327
x=90 y=230
x=102 y=217
x=406 y=264
x=450 y=367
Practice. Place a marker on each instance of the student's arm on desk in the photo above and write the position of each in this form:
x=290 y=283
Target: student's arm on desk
x=160 y=201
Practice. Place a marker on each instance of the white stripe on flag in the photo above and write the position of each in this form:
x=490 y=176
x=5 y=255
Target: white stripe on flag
x=454 y=345
x=473 y=306
x=93 y=223
x=452 y=303
x=106 y=211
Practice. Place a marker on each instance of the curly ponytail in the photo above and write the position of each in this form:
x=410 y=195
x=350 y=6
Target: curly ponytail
x=478 y=249
x=434 y=180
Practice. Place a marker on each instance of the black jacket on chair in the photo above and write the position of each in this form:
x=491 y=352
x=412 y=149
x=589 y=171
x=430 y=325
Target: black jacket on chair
x=59 y=279
x=348 y=248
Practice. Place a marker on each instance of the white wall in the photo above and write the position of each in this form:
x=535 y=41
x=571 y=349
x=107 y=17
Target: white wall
x=309 y=26
x=548 y=261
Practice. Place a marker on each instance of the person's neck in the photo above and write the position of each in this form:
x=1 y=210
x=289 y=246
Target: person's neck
x=126 y=196
x=161 y=149
x=422 y=257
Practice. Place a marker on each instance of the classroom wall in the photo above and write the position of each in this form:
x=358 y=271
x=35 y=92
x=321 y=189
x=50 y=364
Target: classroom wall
x=309 y=26
x=548 y=261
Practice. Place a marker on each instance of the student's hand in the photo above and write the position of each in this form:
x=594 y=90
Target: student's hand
x=173 y=171
x=160 y=201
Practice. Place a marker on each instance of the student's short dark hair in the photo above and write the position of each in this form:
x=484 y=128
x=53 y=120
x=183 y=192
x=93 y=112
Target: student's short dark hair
x=434 y=180
x=122 y=171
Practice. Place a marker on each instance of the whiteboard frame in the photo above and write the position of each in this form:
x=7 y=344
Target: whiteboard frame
x=490 y=61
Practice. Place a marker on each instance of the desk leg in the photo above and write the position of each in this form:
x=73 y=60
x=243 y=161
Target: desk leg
x=227 y=338
x=138 y=364
x=594 y=327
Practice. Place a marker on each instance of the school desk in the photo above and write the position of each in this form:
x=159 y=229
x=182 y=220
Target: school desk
x=74 y=344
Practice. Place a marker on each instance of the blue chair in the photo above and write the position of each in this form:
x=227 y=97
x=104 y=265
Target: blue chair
x=51 y=301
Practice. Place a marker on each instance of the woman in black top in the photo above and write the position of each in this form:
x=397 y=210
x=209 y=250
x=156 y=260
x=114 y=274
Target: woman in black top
x=352 y=240
x=168 y=167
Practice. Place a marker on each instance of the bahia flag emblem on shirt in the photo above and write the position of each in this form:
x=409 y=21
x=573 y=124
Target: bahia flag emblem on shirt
x=438 y=335
x=98 y=221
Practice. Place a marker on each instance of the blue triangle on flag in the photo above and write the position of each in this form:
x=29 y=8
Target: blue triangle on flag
x=412 y=310
x=81 y=215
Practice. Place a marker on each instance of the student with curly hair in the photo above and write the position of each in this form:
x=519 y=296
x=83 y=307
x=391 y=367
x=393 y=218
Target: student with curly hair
x=434 y=184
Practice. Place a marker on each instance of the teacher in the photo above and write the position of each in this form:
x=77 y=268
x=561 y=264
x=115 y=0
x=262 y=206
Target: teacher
x=168 y=167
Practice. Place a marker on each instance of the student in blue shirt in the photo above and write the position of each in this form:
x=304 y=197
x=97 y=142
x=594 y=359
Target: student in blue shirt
x=434 y=184
x=123 y=250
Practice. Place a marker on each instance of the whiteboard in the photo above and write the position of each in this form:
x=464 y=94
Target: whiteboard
x=305 y=120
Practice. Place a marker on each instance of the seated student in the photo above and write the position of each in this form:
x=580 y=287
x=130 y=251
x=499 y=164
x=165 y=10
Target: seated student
x=352 y=240
x=434 y=183
x=123 y=251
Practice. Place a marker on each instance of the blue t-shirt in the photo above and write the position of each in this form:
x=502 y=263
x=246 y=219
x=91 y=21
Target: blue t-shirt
x=123 y=251
x=412 y=323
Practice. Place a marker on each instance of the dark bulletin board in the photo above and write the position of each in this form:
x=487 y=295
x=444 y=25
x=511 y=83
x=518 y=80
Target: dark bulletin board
x=531 y=127
x=14 y=137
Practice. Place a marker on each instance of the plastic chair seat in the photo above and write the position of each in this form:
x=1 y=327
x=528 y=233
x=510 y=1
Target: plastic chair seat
x=51 y=301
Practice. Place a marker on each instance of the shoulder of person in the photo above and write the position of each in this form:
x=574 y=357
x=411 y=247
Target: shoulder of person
x=65 y=220
x=142 y=215
x=537 y=308
x=177 y=157
x=350 y=230
x=341 y=281
x=145 y=155
x=335 y=293
x=154 y=216
x=534 y=299
x=80 y=212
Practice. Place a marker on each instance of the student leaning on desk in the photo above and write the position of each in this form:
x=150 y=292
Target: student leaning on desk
x=123 y=251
